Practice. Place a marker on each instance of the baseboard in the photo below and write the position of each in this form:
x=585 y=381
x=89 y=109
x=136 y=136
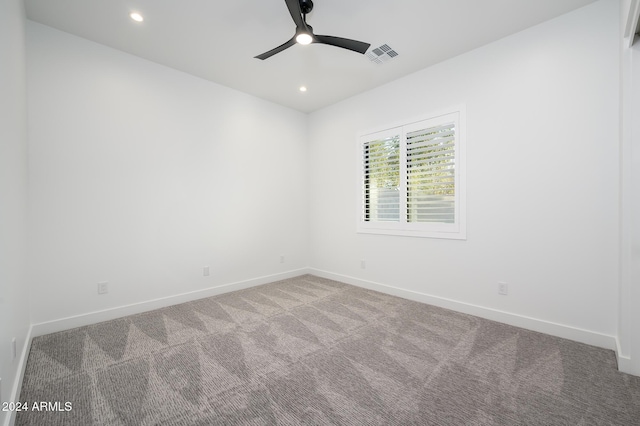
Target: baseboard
x=625 y=365
x=534 y=324
x=10 y=419
x=43 y=328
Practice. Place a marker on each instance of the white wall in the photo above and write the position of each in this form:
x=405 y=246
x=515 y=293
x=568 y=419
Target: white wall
x=629 y=359
x=633 y=314
x=542 y=174
x=14 y=292
x=141 y=175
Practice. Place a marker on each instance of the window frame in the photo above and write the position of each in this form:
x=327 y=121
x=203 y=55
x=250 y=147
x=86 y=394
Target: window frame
x=455 y=230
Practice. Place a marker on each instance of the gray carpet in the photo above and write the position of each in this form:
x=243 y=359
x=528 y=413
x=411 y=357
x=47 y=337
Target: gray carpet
x=311 y=351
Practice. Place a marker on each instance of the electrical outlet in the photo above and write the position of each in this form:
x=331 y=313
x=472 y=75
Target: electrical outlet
x=363 y=264
x=14 y=349
x=503 y=288
x=205 y=271
x=282 y=258
x=103 y=287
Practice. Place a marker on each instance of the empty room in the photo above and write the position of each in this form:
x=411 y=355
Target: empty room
x=284 y=212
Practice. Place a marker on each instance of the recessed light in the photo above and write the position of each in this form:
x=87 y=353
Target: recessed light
x=136 y=17
x=303 y=88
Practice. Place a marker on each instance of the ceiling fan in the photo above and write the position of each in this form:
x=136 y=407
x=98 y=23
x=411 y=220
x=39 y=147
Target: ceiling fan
x=304 y=33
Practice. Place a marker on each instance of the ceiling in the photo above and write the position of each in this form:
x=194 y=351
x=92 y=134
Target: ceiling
x=217 y=40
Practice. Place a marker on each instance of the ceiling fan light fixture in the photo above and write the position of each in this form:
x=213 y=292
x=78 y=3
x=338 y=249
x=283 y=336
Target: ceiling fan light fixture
x=136 y=17
x=304 y=38
x=298 y=9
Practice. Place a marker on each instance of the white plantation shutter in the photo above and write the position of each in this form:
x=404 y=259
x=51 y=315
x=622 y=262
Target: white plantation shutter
x=431 y=160
x=410 y=181
x=381 y=183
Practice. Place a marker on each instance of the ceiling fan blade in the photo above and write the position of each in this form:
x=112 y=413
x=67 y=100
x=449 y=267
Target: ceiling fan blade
x=296 y=12
x=278 y=49
x=345 y=43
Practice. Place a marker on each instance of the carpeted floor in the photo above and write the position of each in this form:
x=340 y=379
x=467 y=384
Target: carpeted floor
x=314 y=351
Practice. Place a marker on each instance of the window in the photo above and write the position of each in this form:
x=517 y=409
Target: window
x=411 y=179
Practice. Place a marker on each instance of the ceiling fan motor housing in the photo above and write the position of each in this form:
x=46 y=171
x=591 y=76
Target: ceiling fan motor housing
x=306 y=6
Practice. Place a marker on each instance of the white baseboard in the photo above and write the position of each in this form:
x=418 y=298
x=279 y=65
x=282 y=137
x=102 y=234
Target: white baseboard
x=17 y=384
x=625 y=364
x=534 y=324
x=47 y=327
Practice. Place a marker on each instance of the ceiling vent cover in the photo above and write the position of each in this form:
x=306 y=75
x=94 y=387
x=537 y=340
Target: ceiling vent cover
x=381 y=54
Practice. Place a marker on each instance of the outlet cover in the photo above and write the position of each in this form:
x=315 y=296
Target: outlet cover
x=503 y=289
x=103 y=287
x=14 y=349
x=205 y=271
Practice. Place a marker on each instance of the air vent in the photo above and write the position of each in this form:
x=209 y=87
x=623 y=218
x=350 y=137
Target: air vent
x=381 y=54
